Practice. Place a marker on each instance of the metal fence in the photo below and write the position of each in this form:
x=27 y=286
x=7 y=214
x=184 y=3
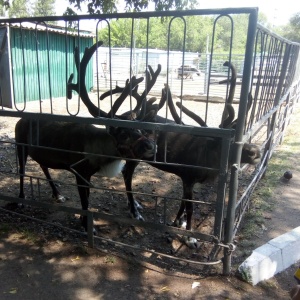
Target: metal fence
x=268 y=71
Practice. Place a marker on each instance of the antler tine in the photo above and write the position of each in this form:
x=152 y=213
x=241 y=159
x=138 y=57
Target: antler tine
x=228 y=116
x=229 y=120
x=171 y=106
x=191 y=114
x=131 y=85
x=80 y=86
x=232 y=81
x=116 y=90
x=149 y=103
x=151 y=78
x=175 y=115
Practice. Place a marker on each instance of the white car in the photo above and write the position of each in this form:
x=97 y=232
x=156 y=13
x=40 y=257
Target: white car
x=187 y=71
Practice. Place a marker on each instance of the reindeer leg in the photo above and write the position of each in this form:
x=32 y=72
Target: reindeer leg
x=55 y=192
x=188 y=207
x=179 y=220
x=127 y=172
x=84 y=192
x=22 y=156
x=22 y=153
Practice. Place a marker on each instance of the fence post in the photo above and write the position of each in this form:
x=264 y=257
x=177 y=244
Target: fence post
x=237 y=146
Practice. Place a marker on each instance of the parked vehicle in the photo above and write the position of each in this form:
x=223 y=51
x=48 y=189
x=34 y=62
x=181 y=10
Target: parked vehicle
x=187 y=71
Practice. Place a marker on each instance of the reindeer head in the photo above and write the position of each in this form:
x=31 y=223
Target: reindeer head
x=250 y=154
x=131 y=143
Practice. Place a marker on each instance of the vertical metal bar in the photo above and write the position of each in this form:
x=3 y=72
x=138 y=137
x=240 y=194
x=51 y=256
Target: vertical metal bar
x=268 y=147
x=237 y=146
x=90 y=228
x=165 y=210
x=220 y=202
x=31 y=187
x=155 y=210
x=39 y=189
x=38 y=67
x=49 y=69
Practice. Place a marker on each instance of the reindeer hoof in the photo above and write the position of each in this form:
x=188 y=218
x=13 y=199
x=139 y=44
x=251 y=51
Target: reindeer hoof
x=192 y=243
x=138 y=205
x=140 y=218
x=179 y=223
x=137 y=216
x=59 y=198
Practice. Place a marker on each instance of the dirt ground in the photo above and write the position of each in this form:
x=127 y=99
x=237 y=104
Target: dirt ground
x=41 y=261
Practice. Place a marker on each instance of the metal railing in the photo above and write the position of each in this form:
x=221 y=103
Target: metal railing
x=264 y=100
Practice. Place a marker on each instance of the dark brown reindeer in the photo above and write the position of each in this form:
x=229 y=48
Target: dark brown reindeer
x=180 y=149
x=142 y=111
x=82 y=149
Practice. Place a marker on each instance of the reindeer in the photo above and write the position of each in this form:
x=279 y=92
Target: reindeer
x=81 y=149
x=180 y=149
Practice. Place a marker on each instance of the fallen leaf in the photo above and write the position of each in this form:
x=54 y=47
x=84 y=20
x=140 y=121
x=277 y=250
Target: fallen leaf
x=77 y=258
x=195 y=284
x=165 y=289
x=13 y=291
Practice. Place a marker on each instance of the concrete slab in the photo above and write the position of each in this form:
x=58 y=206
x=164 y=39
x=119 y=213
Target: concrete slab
x=271 y=258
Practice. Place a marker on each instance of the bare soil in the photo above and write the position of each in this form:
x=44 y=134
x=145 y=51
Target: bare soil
x=42 y=261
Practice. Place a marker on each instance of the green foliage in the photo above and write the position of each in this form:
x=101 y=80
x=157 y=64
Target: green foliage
x=44 y=8
x=24 y=8
x=19 y=9
x=176 y=33
x=292 y=30
x=110 y=6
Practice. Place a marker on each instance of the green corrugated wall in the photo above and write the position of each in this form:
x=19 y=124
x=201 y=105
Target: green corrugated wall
x=42 y=62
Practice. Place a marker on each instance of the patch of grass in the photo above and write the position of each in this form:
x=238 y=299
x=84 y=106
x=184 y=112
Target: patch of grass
x=109 y=259
x=263 y=199
x=4 y=228
x=30 y=235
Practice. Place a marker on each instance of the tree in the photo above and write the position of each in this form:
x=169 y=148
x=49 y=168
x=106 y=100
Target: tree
x=292 y=30
x=4 y=5
x=44 y=8
x=19 y=9
x=124 y=32
x=24 y=8
x=111 y=6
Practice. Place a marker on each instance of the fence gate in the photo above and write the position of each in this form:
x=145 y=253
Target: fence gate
x=70 y=73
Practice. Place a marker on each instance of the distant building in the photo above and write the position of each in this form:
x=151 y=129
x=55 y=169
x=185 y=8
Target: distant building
x=36 y=60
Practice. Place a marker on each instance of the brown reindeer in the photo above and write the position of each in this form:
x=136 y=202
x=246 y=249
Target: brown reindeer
x=82 y=149
x=180 y=149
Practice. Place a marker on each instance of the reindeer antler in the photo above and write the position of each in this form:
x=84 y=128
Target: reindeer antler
x=192 y=115
x=227 y=116
x=167 y=95
x=80 y=86
x=151 y=78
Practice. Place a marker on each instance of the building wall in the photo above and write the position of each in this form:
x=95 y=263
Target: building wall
x=42 y=63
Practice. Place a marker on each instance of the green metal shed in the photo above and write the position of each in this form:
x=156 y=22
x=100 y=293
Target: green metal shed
x=37 y=60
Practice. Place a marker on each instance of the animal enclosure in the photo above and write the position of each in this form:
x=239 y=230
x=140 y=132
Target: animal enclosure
x=250 y=102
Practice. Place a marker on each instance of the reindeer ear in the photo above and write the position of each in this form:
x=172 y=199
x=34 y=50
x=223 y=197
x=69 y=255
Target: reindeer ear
x=131 y=116
x=111 y=130
x=150 y=116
